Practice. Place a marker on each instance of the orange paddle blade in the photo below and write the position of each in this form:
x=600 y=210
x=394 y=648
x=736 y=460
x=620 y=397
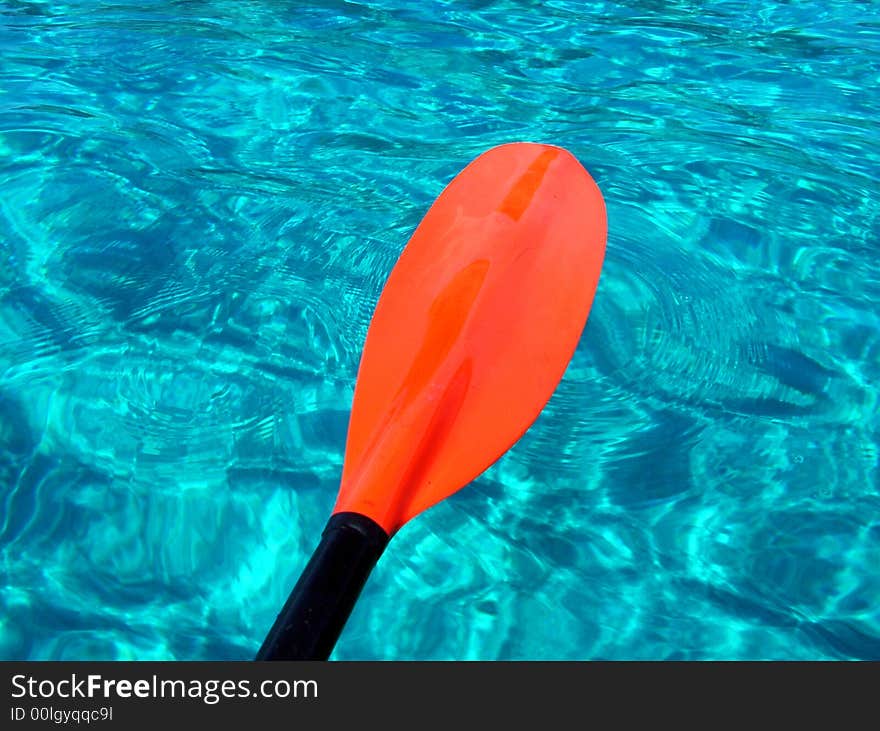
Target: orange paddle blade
x=474 y=329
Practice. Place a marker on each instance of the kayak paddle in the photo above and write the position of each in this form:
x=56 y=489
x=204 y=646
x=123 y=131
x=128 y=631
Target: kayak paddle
x=471 y=335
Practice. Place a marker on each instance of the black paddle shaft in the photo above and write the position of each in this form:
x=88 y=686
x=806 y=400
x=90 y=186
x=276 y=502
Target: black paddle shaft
x=316 y=611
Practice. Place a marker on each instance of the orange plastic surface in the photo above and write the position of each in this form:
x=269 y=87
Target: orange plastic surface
x=474 y=329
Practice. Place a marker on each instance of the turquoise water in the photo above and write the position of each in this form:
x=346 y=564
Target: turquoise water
x=199 y=204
